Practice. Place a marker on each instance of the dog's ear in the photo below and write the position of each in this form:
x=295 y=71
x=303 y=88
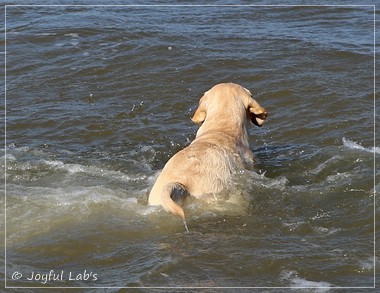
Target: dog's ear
x=257 y=114
x=200 y=114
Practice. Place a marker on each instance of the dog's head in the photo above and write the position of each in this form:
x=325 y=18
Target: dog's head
x=229 y=98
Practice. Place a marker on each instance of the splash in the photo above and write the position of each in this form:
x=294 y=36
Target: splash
x=300 y=283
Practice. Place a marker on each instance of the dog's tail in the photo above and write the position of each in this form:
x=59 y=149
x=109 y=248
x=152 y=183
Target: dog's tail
x=171 y=195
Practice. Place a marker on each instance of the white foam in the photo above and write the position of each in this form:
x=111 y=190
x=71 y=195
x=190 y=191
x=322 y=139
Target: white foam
x=325 y=164
x=278 y=183
x=247 y=177
x=366 y=265
x=73 y=35
x=300 y=283
x=36 y=210
x=9 y=157
x=46 y=34
x=338 y=177
x=74 y=43
x=13 y=147
x=293 y=226
x=92 y=170
x=355 y=146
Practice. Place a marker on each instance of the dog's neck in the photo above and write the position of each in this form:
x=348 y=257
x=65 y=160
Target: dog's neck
x=233 y=130
x=232 y=124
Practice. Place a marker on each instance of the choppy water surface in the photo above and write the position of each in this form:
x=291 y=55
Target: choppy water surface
x=98 y=99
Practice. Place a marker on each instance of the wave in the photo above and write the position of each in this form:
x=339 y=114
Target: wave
x=25 y=161
x=34 y=211
x=52 y=186
x=355 y=146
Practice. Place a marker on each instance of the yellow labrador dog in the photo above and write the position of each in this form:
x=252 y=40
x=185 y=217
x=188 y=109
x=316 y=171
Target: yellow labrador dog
x=219 y=149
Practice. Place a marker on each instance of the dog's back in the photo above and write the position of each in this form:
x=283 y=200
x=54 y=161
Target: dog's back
x=219 y=149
